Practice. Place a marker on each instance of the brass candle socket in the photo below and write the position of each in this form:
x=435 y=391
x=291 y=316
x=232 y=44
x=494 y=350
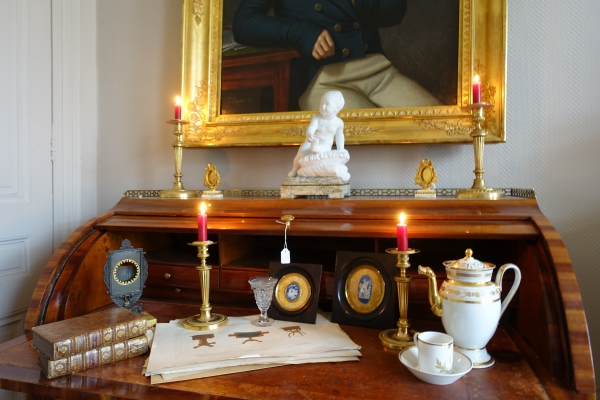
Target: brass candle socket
x=178 y=191
x=205 y=320
x=479 y=190
x=401 y=338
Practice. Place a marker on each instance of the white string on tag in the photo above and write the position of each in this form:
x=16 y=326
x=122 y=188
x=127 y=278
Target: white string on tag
x=285 y=253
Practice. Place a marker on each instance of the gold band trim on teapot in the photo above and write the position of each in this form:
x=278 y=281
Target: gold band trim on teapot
x=466 y=348
x=470 y=284
x=470 y=275
x=469 y=302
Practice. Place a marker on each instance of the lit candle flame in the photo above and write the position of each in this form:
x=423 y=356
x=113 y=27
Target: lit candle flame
x=202 y=208
x=177 y=100
x=476 y=79
x=402 y=218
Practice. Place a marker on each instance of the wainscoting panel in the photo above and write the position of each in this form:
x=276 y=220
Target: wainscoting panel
x=14 y=258
x=14 y=162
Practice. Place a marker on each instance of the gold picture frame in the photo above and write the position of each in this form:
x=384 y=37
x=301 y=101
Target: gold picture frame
x=481 y=51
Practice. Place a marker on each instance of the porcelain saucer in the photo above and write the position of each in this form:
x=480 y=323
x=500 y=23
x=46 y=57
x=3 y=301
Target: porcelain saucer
x=461 y=365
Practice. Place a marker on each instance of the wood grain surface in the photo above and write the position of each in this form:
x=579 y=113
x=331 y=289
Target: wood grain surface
x=545 y=322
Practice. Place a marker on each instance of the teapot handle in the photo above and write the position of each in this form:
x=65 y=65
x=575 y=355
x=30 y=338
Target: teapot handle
x=514 y=287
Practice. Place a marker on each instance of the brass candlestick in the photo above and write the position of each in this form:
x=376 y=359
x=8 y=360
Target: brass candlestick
x=398 y=339
x=178 y=191
x=479 y=190
x=205 y=320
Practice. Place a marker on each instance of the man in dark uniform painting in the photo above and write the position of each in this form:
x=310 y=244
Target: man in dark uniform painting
x=340 y=45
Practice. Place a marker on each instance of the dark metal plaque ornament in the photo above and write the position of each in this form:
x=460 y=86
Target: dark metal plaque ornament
x=296 y=295
x=364 y=289
x=125 y=274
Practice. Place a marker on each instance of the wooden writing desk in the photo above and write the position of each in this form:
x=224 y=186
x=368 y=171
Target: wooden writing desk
x=542 y=346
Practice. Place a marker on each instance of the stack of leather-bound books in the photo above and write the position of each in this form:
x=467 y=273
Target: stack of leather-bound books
x=90 y=340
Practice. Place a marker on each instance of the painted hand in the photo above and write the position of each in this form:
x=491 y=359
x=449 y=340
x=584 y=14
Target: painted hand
x=324 y=46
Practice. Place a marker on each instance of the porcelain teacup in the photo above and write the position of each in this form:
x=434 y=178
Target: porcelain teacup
x=435 y=352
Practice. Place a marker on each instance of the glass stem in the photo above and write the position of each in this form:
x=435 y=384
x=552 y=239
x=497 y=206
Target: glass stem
x=263 y=314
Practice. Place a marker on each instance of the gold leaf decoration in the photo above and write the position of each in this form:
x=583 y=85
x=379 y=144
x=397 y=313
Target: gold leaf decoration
x=210 y=134
x=198 y=11
x=295 y=131
x=461 y=126
x=352 y=130
x=197 y=130
x=442 y=368
x=371 y=113
x=466 y=50
x=195 y=111
x=349 y=130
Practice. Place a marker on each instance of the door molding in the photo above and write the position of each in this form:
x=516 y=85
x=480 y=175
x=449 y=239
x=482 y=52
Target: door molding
x=74 y=114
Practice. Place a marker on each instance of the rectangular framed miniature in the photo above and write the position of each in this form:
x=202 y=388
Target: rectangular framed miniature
x=245 y=83
x=365 y=292
x=296 y=294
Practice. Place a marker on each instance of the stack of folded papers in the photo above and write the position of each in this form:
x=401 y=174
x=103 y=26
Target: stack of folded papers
x=180 y=354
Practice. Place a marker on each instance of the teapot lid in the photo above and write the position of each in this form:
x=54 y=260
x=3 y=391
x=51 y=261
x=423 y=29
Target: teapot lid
x=468 y=262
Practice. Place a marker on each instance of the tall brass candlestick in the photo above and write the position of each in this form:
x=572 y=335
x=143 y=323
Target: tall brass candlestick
x=205 y=320
x=178 y=191
x=479 y=190
x=398 y=339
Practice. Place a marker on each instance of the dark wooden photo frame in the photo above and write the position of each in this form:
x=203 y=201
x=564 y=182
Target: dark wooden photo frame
x=296 y=295
x=373 y=274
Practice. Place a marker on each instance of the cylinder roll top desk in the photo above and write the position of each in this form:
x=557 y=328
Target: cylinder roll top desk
x=541 y=346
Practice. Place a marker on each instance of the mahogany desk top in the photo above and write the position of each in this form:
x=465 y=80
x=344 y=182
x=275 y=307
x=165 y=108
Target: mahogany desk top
x=542 y=349
x=379 y=374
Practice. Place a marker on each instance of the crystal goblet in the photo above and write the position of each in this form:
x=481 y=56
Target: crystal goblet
x=263 y=293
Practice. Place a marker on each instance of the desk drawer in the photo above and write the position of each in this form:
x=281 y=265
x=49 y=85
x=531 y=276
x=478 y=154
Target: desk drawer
x=188 y=277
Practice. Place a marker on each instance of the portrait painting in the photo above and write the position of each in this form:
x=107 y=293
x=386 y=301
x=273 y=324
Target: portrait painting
x=253 y=71
x=407 y=58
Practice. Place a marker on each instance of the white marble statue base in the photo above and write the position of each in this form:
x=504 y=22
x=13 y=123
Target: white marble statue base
x=331 y=186
x=212 y=194
x=425 y=194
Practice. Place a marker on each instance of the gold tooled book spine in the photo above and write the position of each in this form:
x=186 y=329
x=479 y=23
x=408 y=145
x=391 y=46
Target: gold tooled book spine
x=95 y=357
x=98 y=338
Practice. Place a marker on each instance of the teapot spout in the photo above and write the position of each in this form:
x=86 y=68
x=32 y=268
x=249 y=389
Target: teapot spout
x=434 y=298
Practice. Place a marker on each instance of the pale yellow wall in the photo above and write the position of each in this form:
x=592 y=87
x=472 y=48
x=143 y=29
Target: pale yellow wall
x=552 y=124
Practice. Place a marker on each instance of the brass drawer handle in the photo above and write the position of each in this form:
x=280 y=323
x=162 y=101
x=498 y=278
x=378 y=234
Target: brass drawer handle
x=177 y=290
x=167 y=275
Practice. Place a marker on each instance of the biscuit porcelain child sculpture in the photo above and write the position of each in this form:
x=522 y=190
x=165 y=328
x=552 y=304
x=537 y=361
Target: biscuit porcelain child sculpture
x=315 y=156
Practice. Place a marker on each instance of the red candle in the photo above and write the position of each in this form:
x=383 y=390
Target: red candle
x=178 y=107
x=402 y=234
x=202 y=224
x=476 y=90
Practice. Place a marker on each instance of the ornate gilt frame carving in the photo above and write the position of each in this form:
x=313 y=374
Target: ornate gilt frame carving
x=482 y=50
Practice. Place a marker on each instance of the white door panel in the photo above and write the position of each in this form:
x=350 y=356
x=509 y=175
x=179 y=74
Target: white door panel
x=25 y=132
x=26 y=226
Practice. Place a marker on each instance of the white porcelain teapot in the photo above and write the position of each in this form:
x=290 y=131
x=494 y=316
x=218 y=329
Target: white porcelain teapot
x=469 y=304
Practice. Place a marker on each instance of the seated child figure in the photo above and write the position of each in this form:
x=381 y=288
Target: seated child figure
x=320 y=135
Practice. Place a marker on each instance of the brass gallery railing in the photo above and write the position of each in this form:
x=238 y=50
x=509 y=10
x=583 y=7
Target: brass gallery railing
x=512 y=192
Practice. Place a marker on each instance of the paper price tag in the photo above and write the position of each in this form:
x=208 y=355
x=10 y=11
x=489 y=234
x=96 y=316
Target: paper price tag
x=285 y=256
